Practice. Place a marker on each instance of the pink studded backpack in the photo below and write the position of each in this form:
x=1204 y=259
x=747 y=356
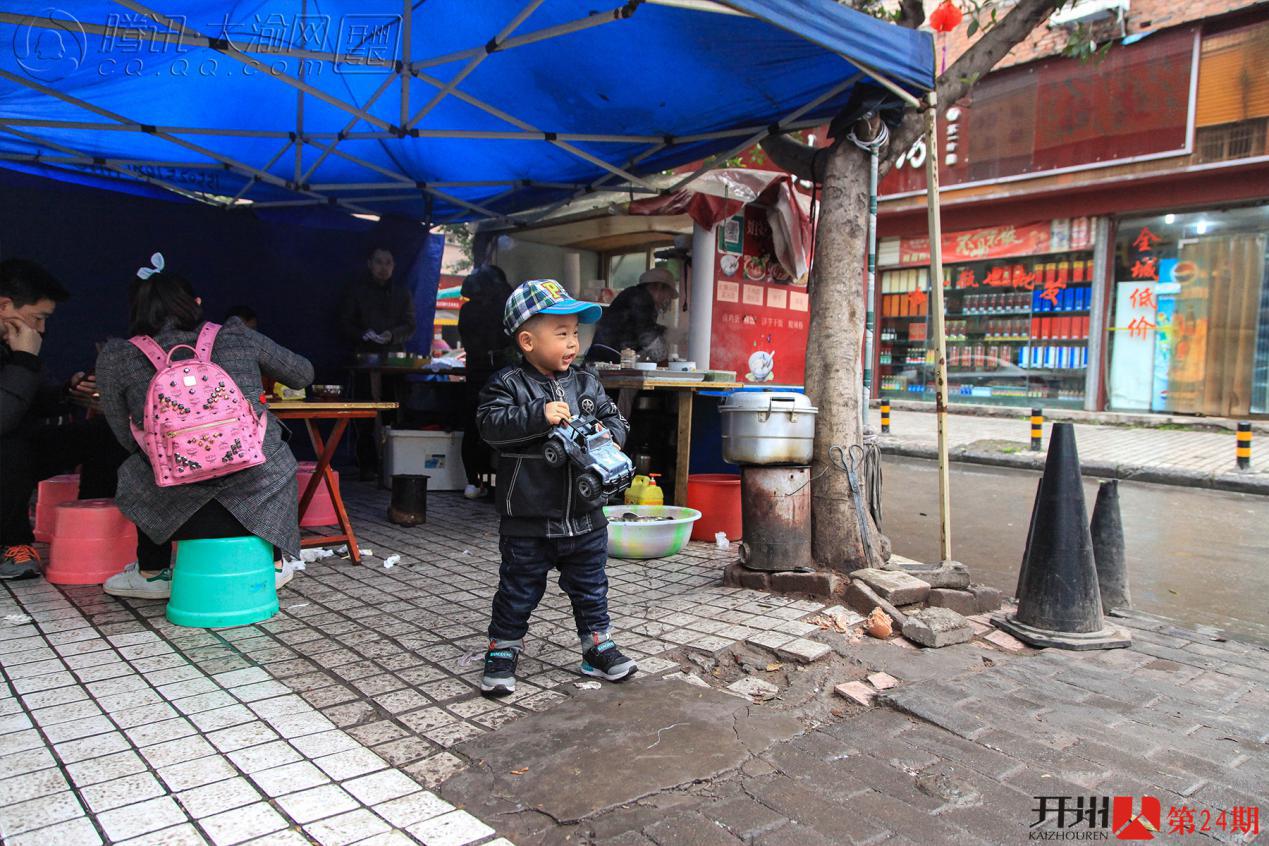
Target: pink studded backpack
x=197 y=424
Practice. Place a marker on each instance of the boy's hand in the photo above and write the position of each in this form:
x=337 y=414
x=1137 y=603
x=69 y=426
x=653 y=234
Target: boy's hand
x=557 y=413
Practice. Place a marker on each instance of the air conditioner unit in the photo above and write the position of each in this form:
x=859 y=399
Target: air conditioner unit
x=1088 y=11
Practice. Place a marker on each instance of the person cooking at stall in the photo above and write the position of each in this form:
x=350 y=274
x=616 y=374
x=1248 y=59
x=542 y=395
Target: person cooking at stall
x=377 y=316
x=631 y=321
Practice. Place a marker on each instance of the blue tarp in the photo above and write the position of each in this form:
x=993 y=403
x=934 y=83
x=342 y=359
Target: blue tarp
x=542 y=93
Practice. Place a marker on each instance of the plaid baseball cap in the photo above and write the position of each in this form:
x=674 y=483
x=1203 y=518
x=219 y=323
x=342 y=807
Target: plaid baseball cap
x=544 y=296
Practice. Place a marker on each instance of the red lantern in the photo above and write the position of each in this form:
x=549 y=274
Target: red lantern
x=946 y=17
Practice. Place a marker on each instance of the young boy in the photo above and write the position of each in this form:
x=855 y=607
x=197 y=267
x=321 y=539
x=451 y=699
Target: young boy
x=544 y=524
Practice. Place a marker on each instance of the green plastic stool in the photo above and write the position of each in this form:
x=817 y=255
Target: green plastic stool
x=221 y=582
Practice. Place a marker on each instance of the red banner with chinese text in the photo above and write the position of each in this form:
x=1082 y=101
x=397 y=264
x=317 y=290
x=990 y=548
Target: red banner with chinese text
x=980 y=244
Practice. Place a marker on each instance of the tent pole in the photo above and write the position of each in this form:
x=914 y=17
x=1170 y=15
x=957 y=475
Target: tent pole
x=379 y=92
x=407 y=35
x=473 y=63
x=226 y=49
x=936 y=311
x=299 y=111
x=870 y=314
x=593 y=20
x=708 y=164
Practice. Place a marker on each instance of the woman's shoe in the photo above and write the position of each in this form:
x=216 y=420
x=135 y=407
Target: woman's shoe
x=475 y=491
x=133 y=585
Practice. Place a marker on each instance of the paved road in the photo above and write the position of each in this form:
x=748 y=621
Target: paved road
x=1193 y=555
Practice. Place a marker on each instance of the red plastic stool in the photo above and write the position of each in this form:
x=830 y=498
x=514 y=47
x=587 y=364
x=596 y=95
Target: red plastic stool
x=51 y=493
x=92 y=541
x=321 y=510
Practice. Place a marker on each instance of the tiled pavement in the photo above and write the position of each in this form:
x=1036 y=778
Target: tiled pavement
x=1167 y=449
x=328 y=723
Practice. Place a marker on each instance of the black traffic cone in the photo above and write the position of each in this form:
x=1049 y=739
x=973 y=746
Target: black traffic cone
x=1059 y=603
x=1026 y=550
x=1108 y=548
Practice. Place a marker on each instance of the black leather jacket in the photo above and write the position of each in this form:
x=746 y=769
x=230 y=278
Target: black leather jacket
x=536 y=500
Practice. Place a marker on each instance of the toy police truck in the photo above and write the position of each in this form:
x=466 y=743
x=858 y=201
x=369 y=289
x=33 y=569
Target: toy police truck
x=602 y=469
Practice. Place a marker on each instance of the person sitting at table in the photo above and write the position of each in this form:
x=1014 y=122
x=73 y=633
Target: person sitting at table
x=631 y=321
x=376 y=316
x=246 y=314
x=261 y=500
x=489 y=349
x=36 y=441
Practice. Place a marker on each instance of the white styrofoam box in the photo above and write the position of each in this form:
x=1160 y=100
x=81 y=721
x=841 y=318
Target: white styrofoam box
x=423 y=453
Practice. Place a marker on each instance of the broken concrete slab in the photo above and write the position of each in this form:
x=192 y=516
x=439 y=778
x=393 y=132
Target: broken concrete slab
x=856 y=692
x=803 y=651
x=755 y=689
x=961 y=601
x=894 y=586
x=863 y=599
x=948 y=574
x=882 y=681
x=938 y=627
x=986 y=598
x=695 y=681
x=663 y=735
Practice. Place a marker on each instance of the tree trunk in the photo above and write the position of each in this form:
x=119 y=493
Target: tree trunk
x=833 y=353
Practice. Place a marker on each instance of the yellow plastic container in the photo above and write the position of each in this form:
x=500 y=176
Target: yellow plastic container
x=644 y=490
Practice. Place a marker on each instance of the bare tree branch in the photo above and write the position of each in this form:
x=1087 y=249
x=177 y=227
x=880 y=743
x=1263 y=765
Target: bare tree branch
x=973 y=64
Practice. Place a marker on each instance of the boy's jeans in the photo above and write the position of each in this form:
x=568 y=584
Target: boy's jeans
x=526 y=562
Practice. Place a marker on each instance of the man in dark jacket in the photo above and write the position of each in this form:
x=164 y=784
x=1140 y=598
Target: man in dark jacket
x=545 y=524
x=631 y=321
x=376 y=316
x=488 y=350
x=34 y=443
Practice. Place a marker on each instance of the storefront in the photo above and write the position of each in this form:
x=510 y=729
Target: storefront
x=1109 y=223
x=1189 y=328
x=1019 y=302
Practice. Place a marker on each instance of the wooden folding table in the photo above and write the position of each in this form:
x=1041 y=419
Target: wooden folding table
x=685 y=394
x=340 y=413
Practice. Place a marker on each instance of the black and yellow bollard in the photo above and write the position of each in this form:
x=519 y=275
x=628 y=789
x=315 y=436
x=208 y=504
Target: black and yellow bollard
x=1037 y=429
x=885 y=418
x=1243 y=450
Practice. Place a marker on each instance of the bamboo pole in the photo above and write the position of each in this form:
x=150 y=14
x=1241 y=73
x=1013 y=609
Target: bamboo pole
x=936 y=311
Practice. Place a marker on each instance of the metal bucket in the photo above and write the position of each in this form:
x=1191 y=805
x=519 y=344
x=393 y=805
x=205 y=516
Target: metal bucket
x=776 y=507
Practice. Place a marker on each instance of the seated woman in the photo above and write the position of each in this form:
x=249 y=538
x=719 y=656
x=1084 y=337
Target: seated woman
x=260 y=500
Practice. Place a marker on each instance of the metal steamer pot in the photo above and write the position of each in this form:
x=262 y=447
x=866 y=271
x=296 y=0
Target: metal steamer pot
x=768 y=428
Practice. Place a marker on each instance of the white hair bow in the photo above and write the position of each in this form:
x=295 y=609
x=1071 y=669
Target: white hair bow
x=147 y=272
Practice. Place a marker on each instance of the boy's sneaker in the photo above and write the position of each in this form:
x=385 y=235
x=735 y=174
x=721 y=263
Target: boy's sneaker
x=20 y=562
x=500 y=671
x=131 y=584
x=605 y=661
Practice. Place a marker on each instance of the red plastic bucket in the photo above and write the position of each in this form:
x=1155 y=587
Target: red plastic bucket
x=717 y=497
x=321 y=509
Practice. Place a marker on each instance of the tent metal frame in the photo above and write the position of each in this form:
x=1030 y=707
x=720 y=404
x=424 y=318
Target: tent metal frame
x=400 y=74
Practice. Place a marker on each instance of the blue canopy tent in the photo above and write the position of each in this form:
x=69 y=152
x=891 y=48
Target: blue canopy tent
x=447 y=110
x=443 y=111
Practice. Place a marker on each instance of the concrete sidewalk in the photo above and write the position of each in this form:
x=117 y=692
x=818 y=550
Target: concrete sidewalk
x=1163 y=455
x=352 y=716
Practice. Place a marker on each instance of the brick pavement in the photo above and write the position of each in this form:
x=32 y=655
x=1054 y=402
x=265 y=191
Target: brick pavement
x=1133 y=450
x=337 y=721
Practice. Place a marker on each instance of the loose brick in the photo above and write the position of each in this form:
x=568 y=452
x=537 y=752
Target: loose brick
x=811 y=584
x=961 y=601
